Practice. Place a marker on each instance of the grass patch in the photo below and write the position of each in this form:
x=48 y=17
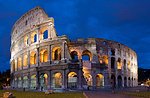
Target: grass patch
x=29 y=94
x=138 y=94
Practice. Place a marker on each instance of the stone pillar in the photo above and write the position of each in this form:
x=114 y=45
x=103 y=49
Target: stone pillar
x=29 y=80
x=106 y=79
x=28 y=59
x=49 y=56
x=37 y=79
x=49 y=79
x=94 y=78
x=64 y=79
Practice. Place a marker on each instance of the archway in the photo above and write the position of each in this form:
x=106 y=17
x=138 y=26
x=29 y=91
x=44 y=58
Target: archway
x=34 y=37
x=19 y=82
x=119 y=81
x=72 y=80
x=43 y=81
x=57 y=80
x=33 y=58
x=129 y=82
x=113 y=81
x=88 y=79
x=125 y=81
x=99 y=80
x=112 y=62
x=74 y=55
x=56 y=53
x=86 y=55
x=33 y=82
x=25 y=82
x=43 y=55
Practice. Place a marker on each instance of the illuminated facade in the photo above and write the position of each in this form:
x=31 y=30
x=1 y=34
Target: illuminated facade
x=42 y=60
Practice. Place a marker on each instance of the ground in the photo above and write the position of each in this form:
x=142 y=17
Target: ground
x=29 y=94
x=137 y=92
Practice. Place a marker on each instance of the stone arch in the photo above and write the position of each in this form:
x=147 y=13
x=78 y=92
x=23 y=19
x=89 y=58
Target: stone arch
x=25 y=60
x=88 y=79
x=124 y=64
x=57 y=80
x=129 y=82
x=43 y=81
x=113 y=52
x=74 y=55
x=113 y=81
x=19 y=82
x=43 y=33
x=72 y=80
x=26 y=40
x=34 y=37
x=113 y=62
x=99 y=80
x=33 y=58
x=13 y=65
x=19 y=63
x=119 y=81
x=125 y=81
x=86 y=55
x=56 y=53
x=119 y=63
x=105 y=59
x=25 y=82
x=33 y=82
x=43 y=55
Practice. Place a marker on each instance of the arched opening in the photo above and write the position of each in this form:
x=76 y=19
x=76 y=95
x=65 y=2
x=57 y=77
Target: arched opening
x=86 y=55
x=33 y=82
x=124 y=63
x=119 y=64
x=57 y=80
x=56 y=53
x=45 y=34
x=105 y=59
x=99 y=80
x=129 y=82
x=112 y=62
x=125 y=81
x=33 y=58
x=72 y=80
x=74 y=55
x=113 y=81
x=34 y=37
x=25 y=60
x=119 y=81
x=19 y=63
x=88 y=79
x=43 y=55
x=129 y=65
x=19 y=82
x=112 y=52
x=25 y=82
x=16 y=83
x=26 y=40
x=13 y=65
x=43 y=81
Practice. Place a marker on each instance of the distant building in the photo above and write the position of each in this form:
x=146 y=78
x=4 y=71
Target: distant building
x=42 y=60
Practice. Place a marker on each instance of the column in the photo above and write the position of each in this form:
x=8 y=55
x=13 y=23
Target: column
x=49 y=80
x=28 y=59
x=49 y=55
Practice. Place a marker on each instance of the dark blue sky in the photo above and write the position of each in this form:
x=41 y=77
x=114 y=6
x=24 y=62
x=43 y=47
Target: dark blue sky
x=125 y=21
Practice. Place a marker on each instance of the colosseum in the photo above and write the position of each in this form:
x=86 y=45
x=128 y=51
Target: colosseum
x=42 y=60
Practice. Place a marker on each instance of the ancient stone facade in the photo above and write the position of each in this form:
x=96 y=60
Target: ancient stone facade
x=42 y=60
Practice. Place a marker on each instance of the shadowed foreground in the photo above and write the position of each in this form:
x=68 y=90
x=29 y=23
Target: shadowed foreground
x=28 y=94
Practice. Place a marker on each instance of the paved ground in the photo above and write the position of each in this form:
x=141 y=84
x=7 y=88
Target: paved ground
x=102 y=94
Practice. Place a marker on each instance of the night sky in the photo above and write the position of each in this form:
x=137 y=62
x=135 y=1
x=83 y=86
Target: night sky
x=125 y=21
